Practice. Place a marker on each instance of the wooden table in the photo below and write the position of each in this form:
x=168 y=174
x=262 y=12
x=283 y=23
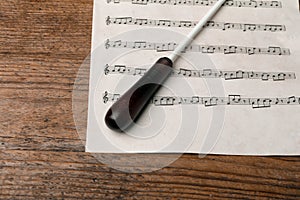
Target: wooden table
x=43 y=44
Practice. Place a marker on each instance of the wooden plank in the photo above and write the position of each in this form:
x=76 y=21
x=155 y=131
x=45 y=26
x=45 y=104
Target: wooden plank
x=80 y=175
x=43 y=44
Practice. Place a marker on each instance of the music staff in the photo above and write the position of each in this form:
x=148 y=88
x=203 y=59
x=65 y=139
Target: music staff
x=205 y=73
x=207 y=49
x=190 y=24
x=214 y=101
x=229 y=3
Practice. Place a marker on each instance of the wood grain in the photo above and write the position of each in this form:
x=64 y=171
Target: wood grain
x=42 y=45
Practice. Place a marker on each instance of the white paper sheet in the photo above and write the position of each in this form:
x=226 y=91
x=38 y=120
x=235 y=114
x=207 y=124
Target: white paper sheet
x=253 y=46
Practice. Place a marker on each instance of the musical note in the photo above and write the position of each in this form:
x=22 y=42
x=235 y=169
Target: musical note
x=184 y=72
x=191 y=24
x=165 y=101
x=231 y=100
x=119 y=69
x=139 y=71
x=210 y=101
x=208 y=49
x=230 y=3
x=110 y=97
x=205 y=73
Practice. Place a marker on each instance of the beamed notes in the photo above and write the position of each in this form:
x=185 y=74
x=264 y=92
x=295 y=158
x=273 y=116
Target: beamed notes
x=205 y=73
x=255 y=102
x=209 y=49
x=191 y=24
x=231 y=3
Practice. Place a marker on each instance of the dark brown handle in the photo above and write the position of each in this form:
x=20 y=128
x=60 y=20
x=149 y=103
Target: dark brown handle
x=124 y=112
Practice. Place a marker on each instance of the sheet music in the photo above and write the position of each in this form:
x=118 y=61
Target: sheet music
x=205 y=73
x=235 y=89
x=213 y=101
x=191 y=24
x=252 y=4
x=225 y=49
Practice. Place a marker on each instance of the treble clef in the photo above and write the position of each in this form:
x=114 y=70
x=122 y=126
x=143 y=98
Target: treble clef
x=105 y=97
x=107 y=45
x=106 y=70
x=108 y=20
